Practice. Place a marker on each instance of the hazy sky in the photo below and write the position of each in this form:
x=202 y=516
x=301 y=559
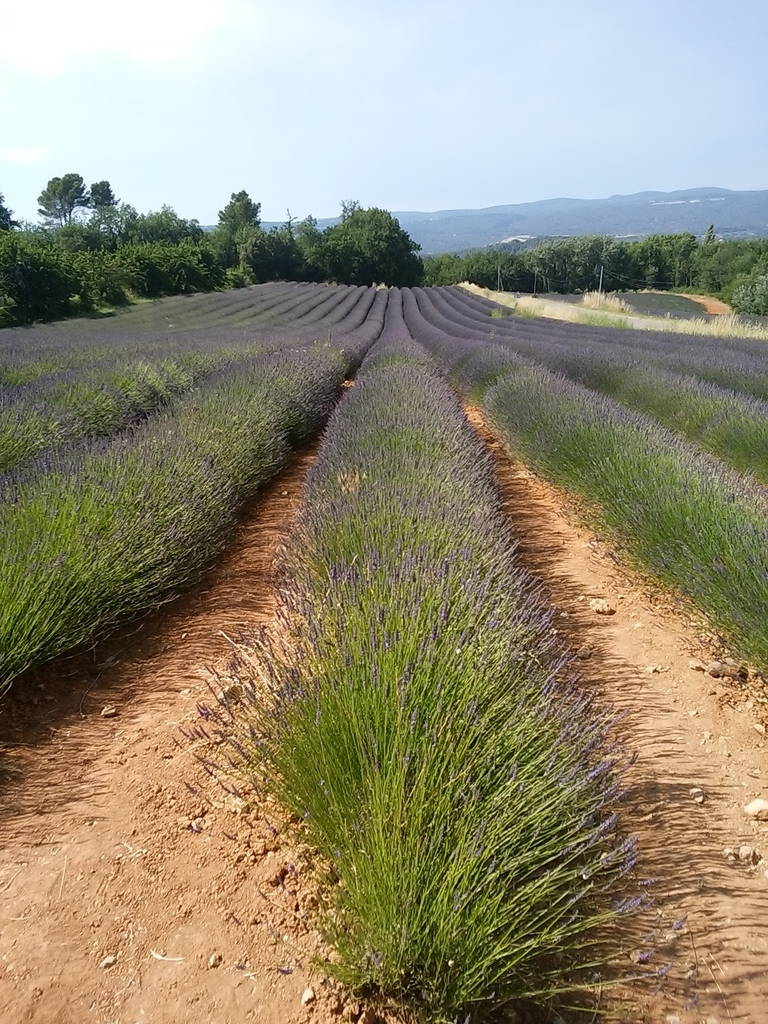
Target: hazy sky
x=405 y=104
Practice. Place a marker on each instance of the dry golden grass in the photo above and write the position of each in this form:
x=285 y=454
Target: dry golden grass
x=726 y=326
x=605 y=301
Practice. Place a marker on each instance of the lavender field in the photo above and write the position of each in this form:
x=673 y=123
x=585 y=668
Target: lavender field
x=414 y=709
x=674 y=470
x=128 y=446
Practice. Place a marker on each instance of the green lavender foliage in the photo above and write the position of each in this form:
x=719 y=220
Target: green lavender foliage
x=414 y=721
x=87 y=405
x=732 y=426
x=694 y=523
x=112 y=530
x=684 y=515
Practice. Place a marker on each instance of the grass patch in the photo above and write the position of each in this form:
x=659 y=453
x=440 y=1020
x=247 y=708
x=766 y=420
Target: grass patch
x=608 y=302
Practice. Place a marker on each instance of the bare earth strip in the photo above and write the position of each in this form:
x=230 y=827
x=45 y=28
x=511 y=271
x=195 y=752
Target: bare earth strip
x=131 y=888
x=710 y=304
x=690 y=732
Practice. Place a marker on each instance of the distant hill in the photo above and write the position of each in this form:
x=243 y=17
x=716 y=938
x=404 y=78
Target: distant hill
x=734 y=214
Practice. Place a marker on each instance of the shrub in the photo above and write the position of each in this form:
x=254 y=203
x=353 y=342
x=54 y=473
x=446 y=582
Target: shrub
x=37 y=282
x=752 y=296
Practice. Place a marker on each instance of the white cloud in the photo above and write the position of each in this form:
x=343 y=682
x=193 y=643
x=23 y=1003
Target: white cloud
x=33 y=155
x=45 y=36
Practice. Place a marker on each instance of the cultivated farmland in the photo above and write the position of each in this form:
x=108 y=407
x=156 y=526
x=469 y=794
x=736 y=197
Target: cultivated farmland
x=369 y=741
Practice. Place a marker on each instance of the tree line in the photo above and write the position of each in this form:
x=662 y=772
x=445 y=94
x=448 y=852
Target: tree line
x=92 y=251
x=735 y=269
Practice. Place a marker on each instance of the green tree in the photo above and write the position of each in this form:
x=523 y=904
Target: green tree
x=239 y=226
x=61 y=197
x=104 y=230
x=7 y=223
x=348 y=207
x=751 y=297
x=166 y=268
x=310 y=241
x=109 y=223
x=240 y=211
x=272 y=256
x=102 y=195
x=78 y=237
x=103 y=279
x=369 y=247
x=162 y=226
x=726 y=264
x=447 y=268
x=665 y=261
x=570 y=265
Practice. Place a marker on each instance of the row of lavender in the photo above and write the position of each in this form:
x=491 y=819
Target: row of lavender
x=713 y=392
x=108 y=528
x=168 y=323
x=59 y=389
x=740 y=364
x=697 y=524
x=416 y=715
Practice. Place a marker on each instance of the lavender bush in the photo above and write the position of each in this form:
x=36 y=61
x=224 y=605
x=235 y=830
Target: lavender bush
x=417 y=719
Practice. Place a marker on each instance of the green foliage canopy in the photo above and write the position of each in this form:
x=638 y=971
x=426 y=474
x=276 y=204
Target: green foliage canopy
x=240 y=212
x=238 y=231
x=36 y=281
x=163 y=226
x=7 y=223
x=102 y=195
x=61 y=197
x=751 y=297
x=369 y=247
x=570 y=265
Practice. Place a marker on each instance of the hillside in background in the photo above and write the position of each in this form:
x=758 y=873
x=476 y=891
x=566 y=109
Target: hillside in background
x=734 y=214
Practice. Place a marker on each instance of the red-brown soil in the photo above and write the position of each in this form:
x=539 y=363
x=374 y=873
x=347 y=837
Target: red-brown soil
x=124 y=869
x=710 y=304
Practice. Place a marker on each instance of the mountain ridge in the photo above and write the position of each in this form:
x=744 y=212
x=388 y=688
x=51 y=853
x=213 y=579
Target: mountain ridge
x=735 y=214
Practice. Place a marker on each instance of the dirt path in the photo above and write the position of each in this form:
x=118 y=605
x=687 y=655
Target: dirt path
x=710 y=304
x=123 y=868
x=689 y=730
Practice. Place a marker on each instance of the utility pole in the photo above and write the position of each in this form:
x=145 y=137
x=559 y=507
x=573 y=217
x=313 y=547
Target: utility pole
x=600 y=286
x=498 y=278
x=535 y=275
